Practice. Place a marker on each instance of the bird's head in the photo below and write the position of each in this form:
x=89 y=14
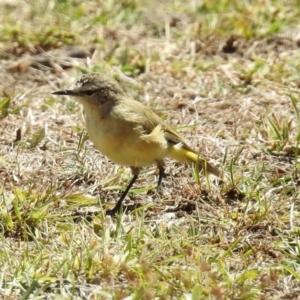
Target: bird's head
x=94 y=88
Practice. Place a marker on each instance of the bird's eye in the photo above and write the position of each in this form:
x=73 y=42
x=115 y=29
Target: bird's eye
x=89 y=93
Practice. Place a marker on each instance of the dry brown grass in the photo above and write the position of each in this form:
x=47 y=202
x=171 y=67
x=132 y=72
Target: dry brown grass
x=227 y=76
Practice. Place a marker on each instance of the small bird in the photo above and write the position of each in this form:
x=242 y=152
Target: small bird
x=128 y=132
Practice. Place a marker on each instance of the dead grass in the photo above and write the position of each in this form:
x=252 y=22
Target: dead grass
x=226 y=74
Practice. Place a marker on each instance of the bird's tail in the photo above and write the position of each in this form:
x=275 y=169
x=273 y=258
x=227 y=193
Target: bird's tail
x=185 y=155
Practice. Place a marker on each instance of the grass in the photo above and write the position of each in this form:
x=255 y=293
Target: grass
x=226 y=74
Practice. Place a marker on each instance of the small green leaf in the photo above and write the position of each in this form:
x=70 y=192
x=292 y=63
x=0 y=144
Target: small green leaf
x=36 y=138
x=275 y=129
x=197 y=292
x=30 y=290
x=8 y=222
x=4 y=105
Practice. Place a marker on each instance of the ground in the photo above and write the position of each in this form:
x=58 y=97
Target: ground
x=226 y=75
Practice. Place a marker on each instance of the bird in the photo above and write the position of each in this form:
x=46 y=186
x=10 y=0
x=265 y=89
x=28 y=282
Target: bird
x=128 y=132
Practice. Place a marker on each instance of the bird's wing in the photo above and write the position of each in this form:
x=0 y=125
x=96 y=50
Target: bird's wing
x=147 y=120
x=173 y=137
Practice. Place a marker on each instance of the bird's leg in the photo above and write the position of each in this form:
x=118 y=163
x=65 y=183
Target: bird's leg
x=161 y=174
x=135 y=171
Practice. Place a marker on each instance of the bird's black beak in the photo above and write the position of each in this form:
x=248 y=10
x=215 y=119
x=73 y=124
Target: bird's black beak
x=65 y=93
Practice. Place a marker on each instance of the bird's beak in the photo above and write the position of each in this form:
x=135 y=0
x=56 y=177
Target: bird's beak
x=65 y=93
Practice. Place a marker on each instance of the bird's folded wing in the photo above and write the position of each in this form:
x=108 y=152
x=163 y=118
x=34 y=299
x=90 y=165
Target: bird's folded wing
x=173 y=137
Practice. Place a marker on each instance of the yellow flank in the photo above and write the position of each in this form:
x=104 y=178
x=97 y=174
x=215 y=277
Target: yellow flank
x=185 y=155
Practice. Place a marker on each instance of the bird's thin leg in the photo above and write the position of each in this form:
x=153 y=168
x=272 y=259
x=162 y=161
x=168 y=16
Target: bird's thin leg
x=116 y=209
x=161 y=174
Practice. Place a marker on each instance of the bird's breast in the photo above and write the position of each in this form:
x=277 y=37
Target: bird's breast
x=125 y=143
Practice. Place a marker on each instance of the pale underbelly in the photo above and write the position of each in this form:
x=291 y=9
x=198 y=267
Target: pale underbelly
x=127 y=148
